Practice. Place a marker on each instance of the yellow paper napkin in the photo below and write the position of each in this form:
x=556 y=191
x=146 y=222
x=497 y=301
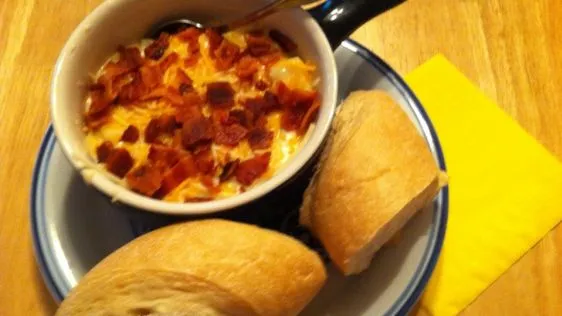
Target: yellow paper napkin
x=505 y=188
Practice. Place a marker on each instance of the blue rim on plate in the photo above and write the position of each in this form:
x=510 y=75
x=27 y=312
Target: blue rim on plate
x=405 y=301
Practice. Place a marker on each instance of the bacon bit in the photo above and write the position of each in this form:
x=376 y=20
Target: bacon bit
x=260 y=138
x=92 y=87
x=270 y=59
x=188 y=112
x=165 y=124
x=131 y=56
x=164 y=156
x=262 y=85
x=242 y=117
x=192 y=60
x=174 y=96
x=98 y=102
x=133 y=91
x=250 y=170
x=151 y=76
x=111 y=71
x=97 y=120
x=182 y=170
x=119 y=162
x=259 y=45
x=189 y=35
x=228 y=170
x=130 y=135
x=183 y=81
x=145 y=180
x=209 y=182
x=230 y=135
x=205 y=163
x=309 y=117
x=220 y=94
x=202 y=149
x=192 y=99
x=151 y=131
x=220 y=117
x=103 y=151
x=246 y=67
x=226 y=55
x=262 y=105
x=215 y=40
x=157 y=48
x=292 y=98
x=168 y=61
x=195 y=131
x=283 y=41
x=185 y=88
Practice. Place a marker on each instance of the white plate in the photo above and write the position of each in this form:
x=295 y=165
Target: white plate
x=74 y=226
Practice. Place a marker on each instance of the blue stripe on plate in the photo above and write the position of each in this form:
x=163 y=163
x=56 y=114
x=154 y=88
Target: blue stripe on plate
x=53 y=278
x=43 y=254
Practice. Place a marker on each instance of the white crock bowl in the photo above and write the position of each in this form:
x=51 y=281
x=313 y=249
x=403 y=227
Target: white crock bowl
x=116 y=22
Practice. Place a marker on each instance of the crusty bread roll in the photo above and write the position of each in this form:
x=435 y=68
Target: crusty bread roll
x=203 y=268
x=374 y=174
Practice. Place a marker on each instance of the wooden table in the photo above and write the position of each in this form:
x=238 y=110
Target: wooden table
x=512 y=49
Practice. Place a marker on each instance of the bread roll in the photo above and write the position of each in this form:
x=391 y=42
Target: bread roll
x=207 y=267
x=374 y=174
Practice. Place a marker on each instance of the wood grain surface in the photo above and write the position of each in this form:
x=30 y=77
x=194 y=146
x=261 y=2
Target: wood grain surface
x=512 y=49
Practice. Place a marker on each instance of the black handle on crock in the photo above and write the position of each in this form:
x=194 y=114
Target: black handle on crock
x=340 y=18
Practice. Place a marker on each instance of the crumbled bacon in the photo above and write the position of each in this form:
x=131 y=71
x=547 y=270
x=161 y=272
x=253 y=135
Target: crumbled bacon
x=132 y=91
x=164 y=156
x=220 y=117
x=144 y=179
x=228 y=170
x=168 y=61
x=215 y=40
x=151 y=76
x=192 y=98
x=119 y=162
x=130 y=135
x=182 y=170
x=130 y=56
x=157 y=48
x=98 y=102
x=270 y=59
x=260 y=138
x=151 y=131
x=283 y=41
x=103 y=151
x=196 y=130
x=259 y=45
x=261 y=85
x=164 y=124
x=242 y=117
x=205 y=163
x=309 y=117
x=230 y=135
x=225 y=55
x=183 y=81
x=250 y=170
x=189 y=35
x=220 y=94
x=188 y=112
x=192 y=60
x=246 y=67
x=262 y=105
x=96 y=120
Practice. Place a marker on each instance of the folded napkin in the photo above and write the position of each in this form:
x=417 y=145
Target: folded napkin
x=504 y=187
